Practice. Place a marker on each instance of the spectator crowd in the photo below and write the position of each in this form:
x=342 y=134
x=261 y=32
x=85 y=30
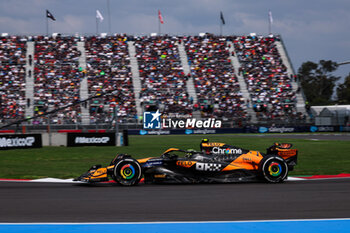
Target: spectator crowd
x=268 y=82
x=108 y=69
x=57 y=77
x=12 y=78
x=216 y=84
x=162 y=77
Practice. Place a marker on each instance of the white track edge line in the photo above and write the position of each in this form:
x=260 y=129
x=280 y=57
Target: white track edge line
x=178 y=222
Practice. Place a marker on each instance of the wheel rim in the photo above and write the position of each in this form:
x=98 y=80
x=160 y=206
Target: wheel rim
x=127 y=171
x=275 y=169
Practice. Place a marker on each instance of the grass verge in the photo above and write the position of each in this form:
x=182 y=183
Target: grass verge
x=315 y=157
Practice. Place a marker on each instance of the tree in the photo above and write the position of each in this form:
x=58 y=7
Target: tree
x=317 y=81
x=343 y=91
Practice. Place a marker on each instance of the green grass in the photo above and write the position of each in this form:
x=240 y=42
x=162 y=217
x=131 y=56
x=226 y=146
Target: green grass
x=315 y=157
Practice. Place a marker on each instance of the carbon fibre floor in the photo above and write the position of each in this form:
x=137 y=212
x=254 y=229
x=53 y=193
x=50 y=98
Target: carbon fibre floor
x=46 y=202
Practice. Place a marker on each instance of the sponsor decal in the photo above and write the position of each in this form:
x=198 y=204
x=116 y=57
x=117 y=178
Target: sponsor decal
x=186 y=164
x=17 y=142
x=245 y=159
x=230 y=151
x=313 y=129
x=155 y=132
x=276 y=130
x=188 y=131
x=200 y=131
x=98 y=140
x=151 y=163
x=280 y=130
x=160 y=132
x=91 y=139
x=204 y=131
x=20 y=141
x=325 y=129
x=344 y=128
x=214 y=144
x=143 y=132
x=208 y=167
x=289 y=152
x=263 y=130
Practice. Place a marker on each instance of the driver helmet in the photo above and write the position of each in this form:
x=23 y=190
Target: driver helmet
x=205 y=140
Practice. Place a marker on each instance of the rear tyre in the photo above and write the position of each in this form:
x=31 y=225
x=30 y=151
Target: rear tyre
x=273 y=169
x=127 y=172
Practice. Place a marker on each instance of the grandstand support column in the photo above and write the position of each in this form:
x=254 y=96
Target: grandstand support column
x=30 y=79
x=187 y=70
x=300 y=99
x=242 y=84
x=136 y=82
x=84 y=94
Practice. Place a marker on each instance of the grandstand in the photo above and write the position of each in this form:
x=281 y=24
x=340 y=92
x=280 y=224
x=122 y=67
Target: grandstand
x=163 y=80
x=108 y=68
x=12 y=78
x=57 y=77
x=269 y=84
x=239 y=79
x=217 y=87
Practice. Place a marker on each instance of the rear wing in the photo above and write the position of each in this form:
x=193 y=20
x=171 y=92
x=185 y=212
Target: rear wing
x=284 y=150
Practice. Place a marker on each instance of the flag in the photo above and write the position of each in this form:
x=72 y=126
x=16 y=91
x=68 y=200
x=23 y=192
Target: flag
x=49 y=15
x=160 y=17
x=270 y=17
x=99 y=15
x=222 y=18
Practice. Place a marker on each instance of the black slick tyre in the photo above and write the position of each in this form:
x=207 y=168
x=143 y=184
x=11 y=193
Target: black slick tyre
x=273 y=169
x=127 y=172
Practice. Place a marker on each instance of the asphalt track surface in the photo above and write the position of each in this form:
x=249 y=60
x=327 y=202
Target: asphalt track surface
x=47 y=202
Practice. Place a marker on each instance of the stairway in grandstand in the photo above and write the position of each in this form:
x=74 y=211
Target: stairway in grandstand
x=136 y=82
x=242 y=84
x=189 y=85
x=29 y=93
x=84 y=94
x=300 y=99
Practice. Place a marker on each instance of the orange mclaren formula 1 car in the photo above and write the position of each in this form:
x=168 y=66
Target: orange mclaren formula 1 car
x=215 y=163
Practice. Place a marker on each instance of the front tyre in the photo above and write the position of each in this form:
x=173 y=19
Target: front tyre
x=127 y=172
x=273 y=169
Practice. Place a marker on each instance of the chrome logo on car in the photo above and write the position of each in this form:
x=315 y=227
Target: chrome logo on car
x=231 y=151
